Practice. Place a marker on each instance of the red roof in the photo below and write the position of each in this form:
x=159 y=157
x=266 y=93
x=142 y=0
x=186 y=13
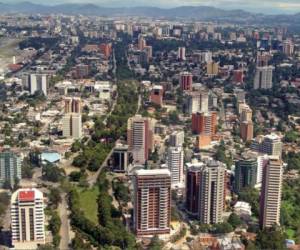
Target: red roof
x=26 y=195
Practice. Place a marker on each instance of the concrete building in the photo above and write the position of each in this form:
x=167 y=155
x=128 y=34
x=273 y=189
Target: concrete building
x=270 y=198
x=27 y=219
x=246 y=130
x=270 y=144
x=72 y=125
x=10 y=168
x=212 y=192
x=212 y=68
x=120 y=158
x=245 y=173
x=288 y=47
x=175 y=165
x=197 y=101
x=181 y=53
x=263 y=77
x=140 y=138
x=72 y=105
x=156 y=95
x=204 y=123
x=38 y=82
x=186 y=81
x=193 y=175
x=152 y=202
x=176 y=139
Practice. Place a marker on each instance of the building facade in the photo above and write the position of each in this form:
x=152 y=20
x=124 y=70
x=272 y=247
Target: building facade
x=152 y=202
x=27 y=219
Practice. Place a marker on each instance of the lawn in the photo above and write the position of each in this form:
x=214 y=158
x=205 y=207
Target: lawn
x=290 y=233
x=88 y=203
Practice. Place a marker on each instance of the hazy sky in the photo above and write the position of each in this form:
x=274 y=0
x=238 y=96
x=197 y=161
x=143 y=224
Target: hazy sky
x=255 y=5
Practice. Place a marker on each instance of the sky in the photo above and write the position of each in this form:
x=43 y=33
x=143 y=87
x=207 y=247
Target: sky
x=269 y=6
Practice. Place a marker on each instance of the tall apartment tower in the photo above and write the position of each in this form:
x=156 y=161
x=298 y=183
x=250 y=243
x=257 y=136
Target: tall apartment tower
x=204 y=123
x=176 y=139
x=193 y=175
x=197 y=102
x=175 y=165
x=288 y=47
x=181 y=53
x=141 y=43
x=186 y=81
x=27 y=219
x=152 y=202
x=263 y=77
x=72 y=120
x=246 y=130
x=245 y=173
x=72 y=105
x=140 y=138
x=38 y=82
x=10 y=167
x=272 y=145
x=212 y=192
x=270 y=198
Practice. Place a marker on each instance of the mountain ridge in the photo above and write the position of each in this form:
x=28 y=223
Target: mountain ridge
x=187 y=12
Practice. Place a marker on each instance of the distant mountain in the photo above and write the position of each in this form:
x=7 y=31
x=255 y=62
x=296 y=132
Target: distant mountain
x=184 y=12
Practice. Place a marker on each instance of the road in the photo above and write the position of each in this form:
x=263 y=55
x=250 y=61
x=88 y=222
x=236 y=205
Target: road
x=65 y=224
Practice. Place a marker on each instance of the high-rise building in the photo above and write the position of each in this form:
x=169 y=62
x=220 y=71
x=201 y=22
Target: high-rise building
x=140 y=138
x=212 y=192
x=156 y=95
x=263 y=77
x=176 y=139
x=27 y=219
x=152 y=202
x=246 y=130
x=288 y=47
x=72 y=105
x=193 y=175
x=246 y=114
x=38 y=82
x=270 y=198
x=245 y=173
x=120 y=158
x=181 y=53
x=10 y=168
x=212 y=68
x=272 y=145
x=197 y=101
x=72 y=120
x=204 y=123
x=72 y=125
x=141 y=42
x=186 y=81
x=175 y=165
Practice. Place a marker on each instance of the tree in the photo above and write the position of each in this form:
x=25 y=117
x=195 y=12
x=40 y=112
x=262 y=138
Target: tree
x=155 y=244
x=271 y=238
x=78 y=243
x=54 y=196
x=234 y=220
x=250 y=195
x=223 y=228
x=52 y=173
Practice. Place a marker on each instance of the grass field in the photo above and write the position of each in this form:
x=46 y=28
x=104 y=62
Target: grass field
x=88 y=203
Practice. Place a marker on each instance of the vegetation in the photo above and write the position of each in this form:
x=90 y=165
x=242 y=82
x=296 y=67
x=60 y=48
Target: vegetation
x=54 y=227
x=110 y=230
x=52 y=173
x=251 y=195
x=270 y=238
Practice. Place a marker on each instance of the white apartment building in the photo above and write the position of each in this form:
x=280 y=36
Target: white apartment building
x=27 y=219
